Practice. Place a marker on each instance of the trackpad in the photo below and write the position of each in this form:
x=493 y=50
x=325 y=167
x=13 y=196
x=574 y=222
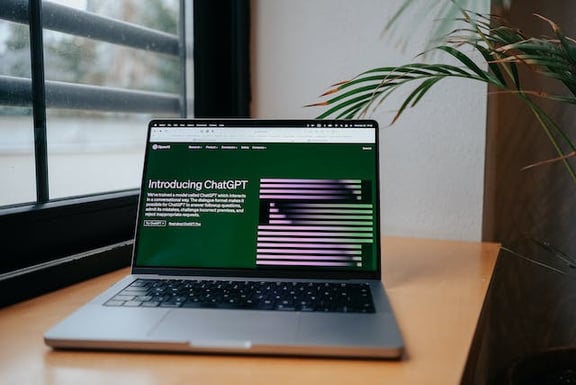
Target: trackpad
x=208 y=326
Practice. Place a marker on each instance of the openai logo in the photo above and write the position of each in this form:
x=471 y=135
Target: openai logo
x=154 y=146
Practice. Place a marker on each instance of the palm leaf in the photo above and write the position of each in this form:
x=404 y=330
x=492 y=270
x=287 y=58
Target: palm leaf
x=503 y=50
x=494 y=67
x=468 y=63
x=416 y=95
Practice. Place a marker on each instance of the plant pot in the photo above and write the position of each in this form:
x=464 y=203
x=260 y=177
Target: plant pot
x=556 y=366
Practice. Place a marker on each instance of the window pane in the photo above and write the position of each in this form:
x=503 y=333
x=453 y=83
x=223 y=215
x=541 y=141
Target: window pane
x=16 y=127
x=16 y=157
x=14 y=49
x=80 y=60
x=95 y=153
x=90 y=150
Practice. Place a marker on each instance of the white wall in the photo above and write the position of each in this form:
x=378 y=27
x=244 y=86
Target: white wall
x=432 y=160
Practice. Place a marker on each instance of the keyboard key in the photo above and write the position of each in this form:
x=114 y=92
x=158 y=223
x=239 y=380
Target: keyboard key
x=150 y=304
x=114 y=302
x=132 y=303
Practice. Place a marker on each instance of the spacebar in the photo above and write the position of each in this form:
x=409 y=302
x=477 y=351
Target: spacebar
x=224 y=305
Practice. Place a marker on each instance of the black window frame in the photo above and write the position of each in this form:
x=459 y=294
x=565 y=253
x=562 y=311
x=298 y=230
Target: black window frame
x=54 y=243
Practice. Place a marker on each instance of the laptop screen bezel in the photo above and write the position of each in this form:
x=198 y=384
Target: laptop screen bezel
x=263 y=272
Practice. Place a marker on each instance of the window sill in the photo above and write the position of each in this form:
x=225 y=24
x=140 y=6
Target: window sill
x=32 y=281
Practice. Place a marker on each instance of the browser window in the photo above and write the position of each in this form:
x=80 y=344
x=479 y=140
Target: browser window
x=284 y=197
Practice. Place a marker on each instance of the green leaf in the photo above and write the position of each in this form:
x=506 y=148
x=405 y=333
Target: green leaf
x=494 y=67
x=465 y=60
x=364 y=98
x=416 y=95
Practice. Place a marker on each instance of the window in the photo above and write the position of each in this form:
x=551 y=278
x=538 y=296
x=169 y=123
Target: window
x=75 y=98
x=108 y=66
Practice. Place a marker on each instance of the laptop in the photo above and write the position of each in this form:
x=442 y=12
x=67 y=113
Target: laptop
x=252 y=237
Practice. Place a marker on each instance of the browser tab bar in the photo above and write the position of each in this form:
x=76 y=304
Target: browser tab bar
x=213 y=133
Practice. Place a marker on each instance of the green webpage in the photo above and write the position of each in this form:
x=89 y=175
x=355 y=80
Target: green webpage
x=305 y=206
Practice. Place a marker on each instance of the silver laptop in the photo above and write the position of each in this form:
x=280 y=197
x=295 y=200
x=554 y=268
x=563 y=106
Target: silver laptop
x=254 y=237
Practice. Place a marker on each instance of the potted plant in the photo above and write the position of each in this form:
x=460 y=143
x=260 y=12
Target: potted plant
x=508 y=56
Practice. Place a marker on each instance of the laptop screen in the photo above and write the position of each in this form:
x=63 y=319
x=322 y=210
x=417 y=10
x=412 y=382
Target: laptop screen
x=259 y=196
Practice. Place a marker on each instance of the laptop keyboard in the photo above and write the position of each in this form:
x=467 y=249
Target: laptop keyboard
x=286 y=296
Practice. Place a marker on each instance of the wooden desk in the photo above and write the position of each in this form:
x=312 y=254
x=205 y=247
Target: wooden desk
x=436 y=288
